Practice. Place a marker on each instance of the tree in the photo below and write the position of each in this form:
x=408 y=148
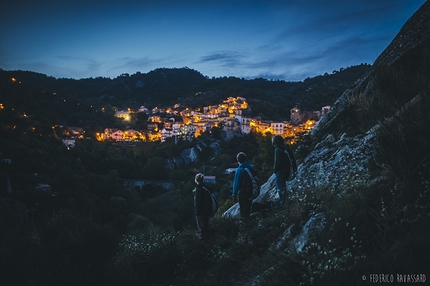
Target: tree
x=155 y=169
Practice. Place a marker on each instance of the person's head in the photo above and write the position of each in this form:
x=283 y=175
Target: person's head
x=199 y=179
x=241 y=157
x=277 y=140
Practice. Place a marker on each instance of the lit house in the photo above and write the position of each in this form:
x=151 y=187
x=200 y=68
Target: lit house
x=187 y=131
x=117 y=135
x=123 y=114
x=165 y=133
x=77 y=132
x=143 y=109
x=278 y=128
x=231 y=124
x=131 y=135
x=154 y=118
x=244 y=124
x=152 y=127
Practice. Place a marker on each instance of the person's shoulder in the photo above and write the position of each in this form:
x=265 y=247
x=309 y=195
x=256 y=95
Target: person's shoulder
x=205 y=187
x=247 y=165
x=283 y=147
x=199 y=188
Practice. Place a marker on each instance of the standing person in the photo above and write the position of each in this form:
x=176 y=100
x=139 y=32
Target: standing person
x=242 y=188
x=202 y=206
x=284 y=165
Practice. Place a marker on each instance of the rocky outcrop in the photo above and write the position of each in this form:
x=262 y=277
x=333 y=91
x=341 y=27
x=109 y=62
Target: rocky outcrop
x=186 y=156
x=316 y=222
x=192 y=154
x=338 y=165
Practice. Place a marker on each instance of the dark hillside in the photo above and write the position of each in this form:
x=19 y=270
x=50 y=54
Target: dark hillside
x=166 y=87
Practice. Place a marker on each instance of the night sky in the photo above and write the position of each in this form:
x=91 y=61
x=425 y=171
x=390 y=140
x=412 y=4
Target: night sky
x=288 y=40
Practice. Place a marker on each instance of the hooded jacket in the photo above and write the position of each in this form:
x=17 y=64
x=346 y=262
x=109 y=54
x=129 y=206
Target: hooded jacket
x=282 y=161
x=202 y=200
x=239 y=178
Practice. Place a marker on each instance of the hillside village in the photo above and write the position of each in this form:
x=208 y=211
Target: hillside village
x=184 y=123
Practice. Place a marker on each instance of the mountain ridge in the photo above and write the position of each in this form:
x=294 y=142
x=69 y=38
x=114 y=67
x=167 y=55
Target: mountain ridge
x=170 y=86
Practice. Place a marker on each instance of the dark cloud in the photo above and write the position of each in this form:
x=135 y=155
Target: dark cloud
x=330 y=25
x=224 y=58
x=298 y=64
x=141 y=62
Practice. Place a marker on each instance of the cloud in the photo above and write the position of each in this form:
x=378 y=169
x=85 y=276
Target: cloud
x=128 y=64
x=141 y=62
x=89 y=63
x=298 y=64
x=224 y=58
x=331 y=25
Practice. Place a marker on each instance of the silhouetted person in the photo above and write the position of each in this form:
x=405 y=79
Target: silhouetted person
x=242 y=188
x=202 y=206
x=283 y=166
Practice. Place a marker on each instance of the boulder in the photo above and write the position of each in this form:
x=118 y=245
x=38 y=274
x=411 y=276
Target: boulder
x=314 y=224
x=268 y=193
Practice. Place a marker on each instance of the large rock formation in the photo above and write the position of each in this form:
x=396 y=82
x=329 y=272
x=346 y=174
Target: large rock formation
x=190 y=155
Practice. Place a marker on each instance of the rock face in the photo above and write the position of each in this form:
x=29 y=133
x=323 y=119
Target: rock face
x=189 y=155
x=192 y=154
x=338 y=165
x=315 y=223
x=186 y=156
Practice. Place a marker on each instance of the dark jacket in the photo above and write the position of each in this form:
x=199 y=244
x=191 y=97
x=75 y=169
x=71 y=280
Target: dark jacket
x=239 y=178
x=202 y=200
x=282 y=160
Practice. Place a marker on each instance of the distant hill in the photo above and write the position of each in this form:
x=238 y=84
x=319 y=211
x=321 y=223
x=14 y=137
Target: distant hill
x=164 y=87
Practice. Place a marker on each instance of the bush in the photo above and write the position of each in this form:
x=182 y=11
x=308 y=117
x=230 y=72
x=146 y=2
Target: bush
x=66 y=249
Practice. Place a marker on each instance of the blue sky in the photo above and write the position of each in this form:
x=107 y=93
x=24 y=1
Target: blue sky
x=288 y=40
